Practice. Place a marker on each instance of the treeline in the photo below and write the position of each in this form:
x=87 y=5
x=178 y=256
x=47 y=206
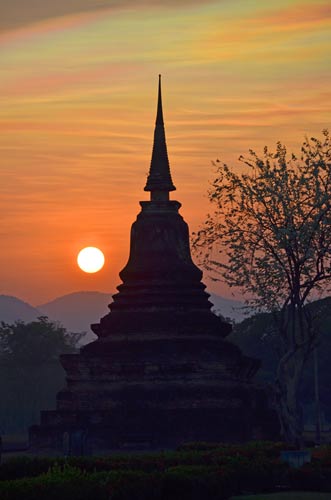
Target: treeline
x=30 y=372
x=193 y=472
x=257 y=337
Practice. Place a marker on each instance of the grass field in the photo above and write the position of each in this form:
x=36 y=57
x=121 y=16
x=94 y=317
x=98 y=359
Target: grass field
x=289 y=495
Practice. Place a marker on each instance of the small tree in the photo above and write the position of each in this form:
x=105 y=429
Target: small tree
x=30 y=370
x=271 y=230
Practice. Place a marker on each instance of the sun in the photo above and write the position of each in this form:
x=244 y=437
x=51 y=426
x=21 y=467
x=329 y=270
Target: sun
x=90 y=260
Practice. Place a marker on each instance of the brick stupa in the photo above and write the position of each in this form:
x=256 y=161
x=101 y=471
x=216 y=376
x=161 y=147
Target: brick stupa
x=161 y=371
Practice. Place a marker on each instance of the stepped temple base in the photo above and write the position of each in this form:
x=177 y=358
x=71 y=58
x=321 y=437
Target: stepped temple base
x=156 y=394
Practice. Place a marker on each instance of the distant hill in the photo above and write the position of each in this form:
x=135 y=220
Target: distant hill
x=228 y=308
x=13 y=309
x=76 y=311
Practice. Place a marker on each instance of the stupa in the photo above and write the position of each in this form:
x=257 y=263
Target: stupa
x=161 y=371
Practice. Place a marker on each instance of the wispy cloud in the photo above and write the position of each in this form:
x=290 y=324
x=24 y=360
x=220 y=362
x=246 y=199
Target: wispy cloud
x=79 y=88
x=270 y=34
x=18 y=13
x=296 y=16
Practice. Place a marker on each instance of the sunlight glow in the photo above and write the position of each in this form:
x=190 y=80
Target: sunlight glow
x=90 y=260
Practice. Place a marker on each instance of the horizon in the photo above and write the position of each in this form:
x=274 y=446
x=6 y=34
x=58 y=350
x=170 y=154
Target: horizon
x=80 y=94
x=110 y=294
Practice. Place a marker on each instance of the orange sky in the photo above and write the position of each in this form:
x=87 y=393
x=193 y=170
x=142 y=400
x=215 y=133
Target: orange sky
x=78 y=81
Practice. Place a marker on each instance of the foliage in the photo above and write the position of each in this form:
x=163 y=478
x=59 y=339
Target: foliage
x=271 y=226
x=66 y=483
x=191 y=454
x=41 y=341
x=30 y=372
x=193 y=474
x=257 y=337
x=289 y=495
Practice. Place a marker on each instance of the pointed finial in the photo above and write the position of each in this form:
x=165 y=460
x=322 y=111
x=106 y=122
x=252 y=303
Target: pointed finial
x=159 y=114
x=159 y=178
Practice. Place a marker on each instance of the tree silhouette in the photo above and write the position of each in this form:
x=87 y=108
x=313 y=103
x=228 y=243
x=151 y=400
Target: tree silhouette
x=271 y=234
x=30 y=371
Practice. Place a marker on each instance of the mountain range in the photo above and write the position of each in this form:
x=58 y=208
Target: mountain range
x=76 y=311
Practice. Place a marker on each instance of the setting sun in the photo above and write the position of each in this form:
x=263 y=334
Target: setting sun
x=90 y=259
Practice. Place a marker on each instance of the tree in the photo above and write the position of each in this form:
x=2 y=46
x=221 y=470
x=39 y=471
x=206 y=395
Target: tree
x=38 y=342
x=258 y=337
x=30 y=372
x=271 y=234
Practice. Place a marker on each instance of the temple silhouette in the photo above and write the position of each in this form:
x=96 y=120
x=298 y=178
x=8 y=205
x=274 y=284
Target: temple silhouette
x=161 y=371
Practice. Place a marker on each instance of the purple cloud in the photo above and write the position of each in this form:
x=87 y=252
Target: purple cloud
x=18 y=13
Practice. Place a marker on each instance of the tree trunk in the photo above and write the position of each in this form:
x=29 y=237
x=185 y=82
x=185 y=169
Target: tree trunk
x=287 y=384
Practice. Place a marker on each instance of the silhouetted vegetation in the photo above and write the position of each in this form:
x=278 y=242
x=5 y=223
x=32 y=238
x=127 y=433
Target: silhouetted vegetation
x=197 y=471
x=257 y=337
x=270 y=237
x=30 y=371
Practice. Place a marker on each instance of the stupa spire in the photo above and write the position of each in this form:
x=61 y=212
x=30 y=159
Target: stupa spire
x=160 y=372
x=159 y=180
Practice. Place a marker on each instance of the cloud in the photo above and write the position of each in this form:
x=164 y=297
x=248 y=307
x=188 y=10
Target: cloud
x=18 y=13
x=269 y=36
x=297 y=15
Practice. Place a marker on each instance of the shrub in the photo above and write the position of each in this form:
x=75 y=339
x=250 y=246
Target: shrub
x=216 y=472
